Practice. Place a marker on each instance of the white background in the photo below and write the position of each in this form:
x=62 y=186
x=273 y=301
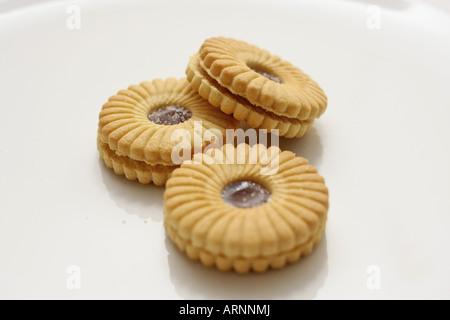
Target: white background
x=382 y=145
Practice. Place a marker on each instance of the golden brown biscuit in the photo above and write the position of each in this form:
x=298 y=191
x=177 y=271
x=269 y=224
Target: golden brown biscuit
x=147 y=121
x=247 y=81
x=124 y=120
x=246 y=208
x=242 y=110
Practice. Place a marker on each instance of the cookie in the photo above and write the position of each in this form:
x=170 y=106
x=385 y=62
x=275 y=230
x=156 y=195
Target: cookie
x=146 y=123
x=239 y=107
x=256 y=86
x=246 y=208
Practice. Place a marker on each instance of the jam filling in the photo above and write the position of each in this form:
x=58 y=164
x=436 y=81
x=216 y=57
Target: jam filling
x=245 y=194
x=170 y=115
x=267 y=75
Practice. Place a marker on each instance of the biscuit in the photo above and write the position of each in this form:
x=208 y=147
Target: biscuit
x=240 y=108
x=235 y=71
x=245 y=208
x=141 y=122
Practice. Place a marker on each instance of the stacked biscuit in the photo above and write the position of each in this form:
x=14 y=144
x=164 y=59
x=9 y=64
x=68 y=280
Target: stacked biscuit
x=247 y=215
x=137 y=125
x=256 y=86
x=225 y=214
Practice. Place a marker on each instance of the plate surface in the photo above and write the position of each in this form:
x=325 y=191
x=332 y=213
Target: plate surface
x=71 y=229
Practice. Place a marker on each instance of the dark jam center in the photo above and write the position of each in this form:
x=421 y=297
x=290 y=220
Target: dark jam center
x=245 y=194
x=170 y=115
x=267 y=75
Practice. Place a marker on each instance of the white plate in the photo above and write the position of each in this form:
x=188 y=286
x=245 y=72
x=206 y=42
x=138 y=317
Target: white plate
x=382 y=146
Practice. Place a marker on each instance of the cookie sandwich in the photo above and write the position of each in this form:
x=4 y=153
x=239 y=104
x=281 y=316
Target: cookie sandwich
x=246 y=208
x=256 y=86
x=140 y=128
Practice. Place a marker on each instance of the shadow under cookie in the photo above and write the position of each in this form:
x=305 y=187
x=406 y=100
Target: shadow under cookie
x=144 y=201
x=308 y=146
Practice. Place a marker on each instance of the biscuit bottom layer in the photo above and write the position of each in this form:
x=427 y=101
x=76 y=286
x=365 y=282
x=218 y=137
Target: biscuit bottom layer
x=242 y=264
x=134 y=169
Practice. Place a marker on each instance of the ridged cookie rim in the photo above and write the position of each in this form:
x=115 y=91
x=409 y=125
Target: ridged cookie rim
x=244 y=265
x=133 y=169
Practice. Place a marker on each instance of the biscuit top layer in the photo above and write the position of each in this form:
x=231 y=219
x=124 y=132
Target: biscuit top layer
x=245 y=194
x=170 y=115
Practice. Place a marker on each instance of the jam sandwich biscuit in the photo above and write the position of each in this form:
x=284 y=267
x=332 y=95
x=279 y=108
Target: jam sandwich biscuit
x=247 y=214
x=256 y=86
x=137 y=126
